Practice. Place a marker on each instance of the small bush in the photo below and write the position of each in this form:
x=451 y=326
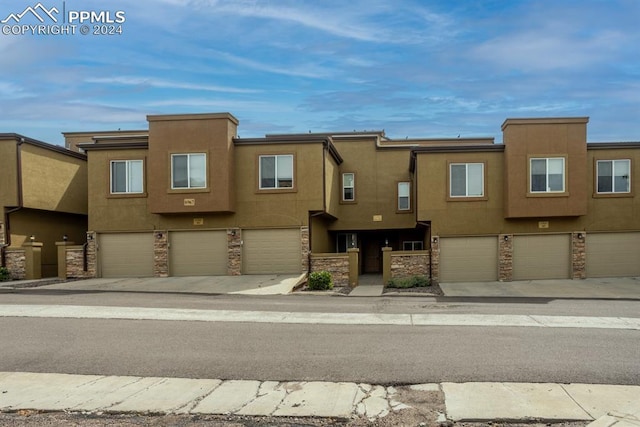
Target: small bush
x=4 y=274
x=409 y=282
x=320 y=281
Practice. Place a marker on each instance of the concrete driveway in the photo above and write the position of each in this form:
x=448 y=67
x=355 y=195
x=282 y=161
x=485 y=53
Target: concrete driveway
x=605 y=288
x=248 y=285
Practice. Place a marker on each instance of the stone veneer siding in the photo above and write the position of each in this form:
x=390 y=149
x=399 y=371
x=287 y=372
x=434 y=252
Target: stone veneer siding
x=435 y=259
x=92 y=255
x=505 y=257
x=160 y=254
x=306 y=250
x=408 y=264
x=578 y=255
x=74 y=257
x=2 y=233
x=336 y=264
x=234 y=252
x=16 y=263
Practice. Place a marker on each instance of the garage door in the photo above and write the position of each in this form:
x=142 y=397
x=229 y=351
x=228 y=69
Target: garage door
x=542 y=257
x=198 y=253
x=271 y=251
x=613 y=254
x=468 y=259
x=126 y=254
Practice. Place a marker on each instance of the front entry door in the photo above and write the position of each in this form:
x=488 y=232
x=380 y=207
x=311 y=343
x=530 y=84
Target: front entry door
x=372 y=256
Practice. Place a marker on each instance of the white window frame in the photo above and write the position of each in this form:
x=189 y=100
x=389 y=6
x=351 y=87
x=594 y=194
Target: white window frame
x=402 y=196
x=352 y=187
x=613 y=176
x=548 y=189
x=467 y=179
x=276 y=184
x=189 y=156
x=128 y=166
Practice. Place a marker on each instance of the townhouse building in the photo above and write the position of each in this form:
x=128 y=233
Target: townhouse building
x=43 y=195
x=188 y=197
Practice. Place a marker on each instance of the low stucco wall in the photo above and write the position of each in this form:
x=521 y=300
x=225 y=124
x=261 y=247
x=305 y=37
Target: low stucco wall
x=336 y=264
x=409 y=263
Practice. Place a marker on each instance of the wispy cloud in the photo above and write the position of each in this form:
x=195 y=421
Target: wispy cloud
x=165 y=84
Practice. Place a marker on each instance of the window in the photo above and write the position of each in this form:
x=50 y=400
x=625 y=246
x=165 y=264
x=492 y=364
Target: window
x=189 y=170
x=613 y=176
x=412 y=245
x=547 y=175
x=276 y=172
x=348 y=187
x=346 y=241
x=466 y=180
x=404 y=198
x=126 y=177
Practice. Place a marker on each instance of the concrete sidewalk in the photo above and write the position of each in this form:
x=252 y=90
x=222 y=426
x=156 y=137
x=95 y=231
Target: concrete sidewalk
x=463 y=402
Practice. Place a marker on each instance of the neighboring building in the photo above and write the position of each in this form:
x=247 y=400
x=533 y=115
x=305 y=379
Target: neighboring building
x=43 y=193
x=188 y=197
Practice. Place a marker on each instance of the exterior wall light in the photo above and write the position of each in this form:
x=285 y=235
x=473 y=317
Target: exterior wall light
x=580 y=236
x=159 y=236
x=65 y=238
x=434 y=240
x=32 y=238
x=506 y=238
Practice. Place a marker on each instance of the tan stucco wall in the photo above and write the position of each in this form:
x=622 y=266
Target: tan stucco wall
x=377 y=173
x=8 y=174
x=333 y=185
x=47 y=228
x=53 y=181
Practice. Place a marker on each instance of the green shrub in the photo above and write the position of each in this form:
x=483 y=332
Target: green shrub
x=4 y=274
x=320 y=281
x=409 y=282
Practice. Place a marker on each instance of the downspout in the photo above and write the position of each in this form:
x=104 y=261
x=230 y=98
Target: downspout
x=9 y=211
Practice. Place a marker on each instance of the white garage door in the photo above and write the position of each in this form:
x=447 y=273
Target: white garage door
x=198 y=253
x=542 y=257
x=277 y=251
x=126 y=254
x=468 y=259
x=613 y=254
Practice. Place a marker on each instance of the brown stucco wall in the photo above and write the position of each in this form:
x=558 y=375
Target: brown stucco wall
x=211 y=134
x=8 y=173
x=558 y=137
x=377 y=173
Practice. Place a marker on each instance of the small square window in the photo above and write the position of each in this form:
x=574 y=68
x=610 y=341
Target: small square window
x=412 y=245
x=126 y=177
x=276 y=172
x=614 y=176
x=188 y=170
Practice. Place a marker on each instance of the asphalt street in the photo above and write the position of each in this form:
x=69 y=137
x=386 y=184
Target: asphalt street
x=300 y=352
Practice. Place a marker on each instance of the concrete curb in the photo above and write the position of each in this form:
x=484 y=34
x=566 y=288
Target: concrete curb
x=605 y=405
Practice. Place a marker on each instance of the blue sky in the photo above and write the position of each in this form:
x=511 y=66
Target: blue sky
x=413 y=68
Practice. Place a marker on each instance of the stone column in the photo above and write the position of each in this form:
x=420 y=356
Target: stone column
x=92 y=254
x=234 y=252
x=160 y=253
x=505 y=257
x=354 y=271
x=304 y=240
x=2 y=233
x=386 y=264
x=578 y=255
x=435 y=259
x=33 y=260
x=16 y=263
x=62 y=258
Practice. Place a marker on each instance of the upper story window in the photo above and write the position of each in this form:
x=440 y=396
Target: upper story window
x=466 y=180
x=126 y=177
x=188 y=170
x=348 y=187
x=404 y=196
x=276 y=172
x=613 y=176
x=547 y=175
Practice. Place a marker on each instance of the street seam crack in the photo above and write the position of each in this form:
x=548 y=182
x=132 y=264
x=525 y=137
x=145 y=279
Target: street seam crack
x=576 y=402
x=195 y=402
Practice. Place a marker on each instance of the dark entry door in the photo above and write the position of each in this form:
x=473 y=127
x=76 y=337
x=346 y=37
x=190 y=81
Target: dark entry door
x=372 y=256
